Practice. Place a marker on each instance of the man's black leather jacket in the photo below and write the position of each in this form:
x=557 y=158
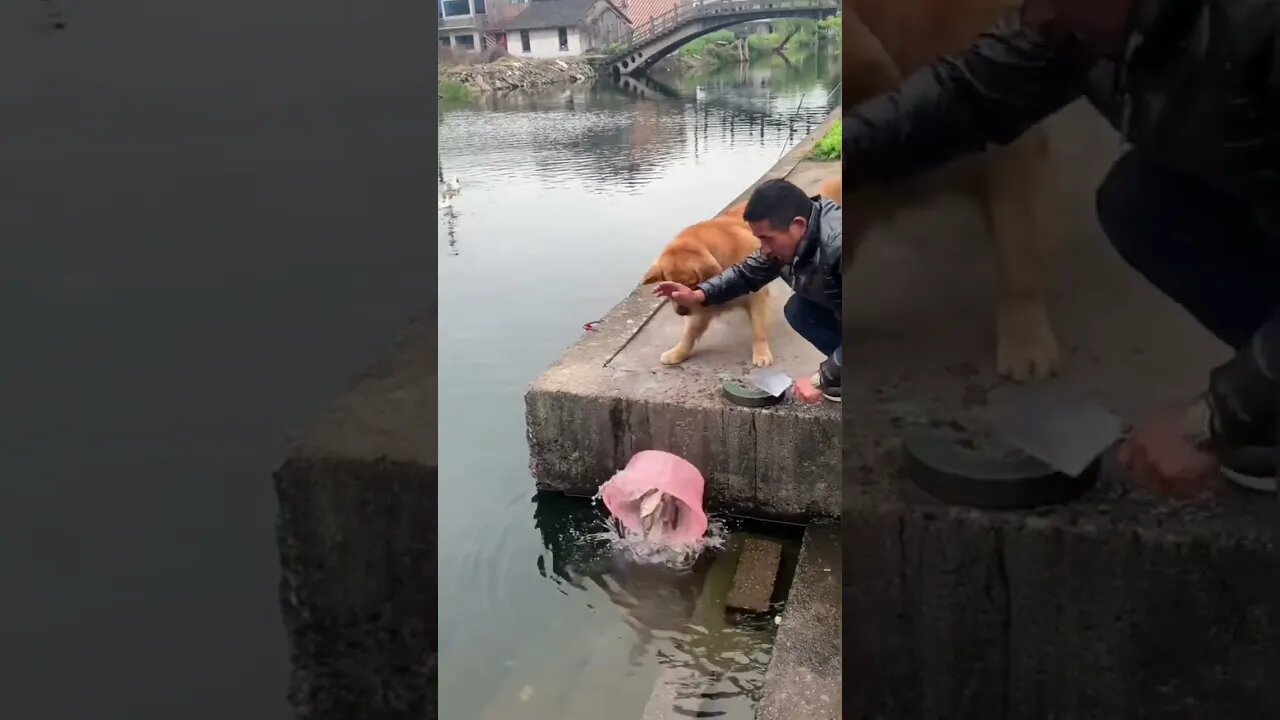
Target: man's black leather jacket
x=813 y=274
x=1197 y=87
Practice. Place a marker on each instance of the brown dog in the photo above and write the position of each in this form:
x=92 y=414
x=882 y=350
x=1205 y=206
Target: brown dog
x=833 y=190
x=886 y=40
x=700 y=252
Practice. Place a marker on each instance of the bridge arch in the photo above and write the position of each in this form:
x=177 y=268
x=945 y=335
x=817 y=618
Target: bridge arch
x=644 y=87
x=688 y=21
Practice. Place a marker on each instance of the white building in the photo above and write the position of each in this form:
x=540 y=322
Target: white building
x=460 y=24
x=559 y=28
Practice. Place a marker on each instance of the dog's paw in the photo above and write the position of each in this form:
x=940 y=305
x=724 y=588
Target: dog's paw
x=761 y=356
x=1027 y=349
x=674 y=356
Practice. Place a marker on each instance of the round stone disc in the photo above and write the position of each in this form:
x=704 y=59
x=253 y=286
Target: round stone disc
x=940 y=466
x=747 y=395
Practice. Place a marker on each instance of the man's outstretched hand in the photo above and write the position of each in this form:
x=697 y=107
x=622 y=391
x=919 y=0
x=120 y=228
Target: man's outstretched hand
x=679 y=294
x=1162 y=458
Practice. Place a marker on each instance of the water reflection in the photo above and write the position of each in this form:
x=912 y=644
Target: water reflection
x=451 y=229
x=622 y=134
x=649 y=598
x=446 y=191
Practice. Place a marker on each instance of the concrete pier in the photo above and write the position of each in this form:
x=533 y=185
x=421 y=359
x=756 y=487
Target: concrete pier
x=609 y=397
x=357 y=540
x=804 y=679
x=1118 y=605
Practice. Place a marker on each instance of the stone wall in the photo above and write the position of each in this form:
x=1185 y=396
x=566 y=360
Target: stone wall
x=1084 y=611
x=510 y=74
x=357 y=538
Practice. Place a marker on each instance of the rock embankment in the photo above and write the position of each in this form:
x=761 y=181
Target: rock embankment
x=510 y=74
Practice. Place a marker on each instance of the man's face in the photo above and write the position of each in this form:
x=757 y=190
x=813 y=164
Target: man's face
x=1102 y=24
x=780 y=243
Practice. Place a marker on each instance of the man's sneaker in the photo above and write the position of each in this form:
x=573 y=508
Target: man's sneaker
x=828 y=383
x=1250 y=467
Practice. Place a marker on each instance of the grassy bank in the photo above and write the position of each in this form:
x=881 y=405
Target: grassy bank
x=831 y=146
x=453 y=91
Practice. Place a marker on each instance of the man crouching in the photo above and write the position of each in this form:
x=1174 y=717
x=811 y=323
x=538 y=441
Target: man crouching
x=800 y=242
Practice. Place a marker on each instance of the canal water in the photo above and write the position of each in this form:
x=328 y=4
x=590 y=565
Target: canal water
x=564 y=198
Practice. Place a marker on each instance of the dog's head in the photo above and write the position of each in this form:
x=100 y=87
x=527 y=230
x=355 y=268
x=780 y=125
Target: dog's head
x=685 y=265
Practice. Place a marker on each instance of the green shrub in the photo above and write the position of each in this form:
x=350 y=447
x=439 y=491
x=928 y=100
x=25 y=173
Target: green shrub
x=830 y=147
x=702 y=45
x=807 y=31
x=716 y=48
x=454 y=91
x=761 y=45
x=830 y=26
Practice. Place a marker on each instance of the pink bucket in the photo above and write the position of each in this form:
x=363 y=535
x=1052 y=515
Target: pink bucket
x=649 y=469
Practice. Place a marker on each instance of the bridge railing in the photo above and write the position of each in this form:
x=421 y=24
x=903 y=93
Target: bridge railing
x=686 y=10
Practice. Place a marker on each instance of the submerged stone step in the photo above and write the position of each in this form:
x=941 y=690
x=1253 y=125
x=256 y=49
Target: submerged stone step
x=803 y=681
x=755 y=576
x=535 y=689
x=609 y=679
x=675 y=693
x=708 y=614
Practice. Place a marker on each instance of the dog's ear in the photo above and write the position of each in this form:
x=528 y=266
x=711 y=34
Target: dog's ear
x=652 y=275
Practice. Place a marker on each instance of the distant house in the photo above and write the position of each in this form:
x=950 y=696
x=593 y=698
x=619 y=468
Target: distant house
x=461 y=23
x=559 y=28
x=642 y=11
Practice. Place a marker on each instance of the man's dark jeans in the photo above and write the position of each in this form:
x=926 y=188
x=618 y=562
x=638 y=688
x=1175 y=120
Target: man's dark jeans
x=814 y=323
x=1205 y=250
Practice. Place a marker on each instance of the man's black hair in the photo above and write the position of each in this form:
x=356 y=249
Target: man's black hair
x=779 y=202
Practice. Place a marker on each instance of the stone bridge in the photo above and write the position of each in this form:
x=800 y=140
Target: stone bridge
x=691 y=19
